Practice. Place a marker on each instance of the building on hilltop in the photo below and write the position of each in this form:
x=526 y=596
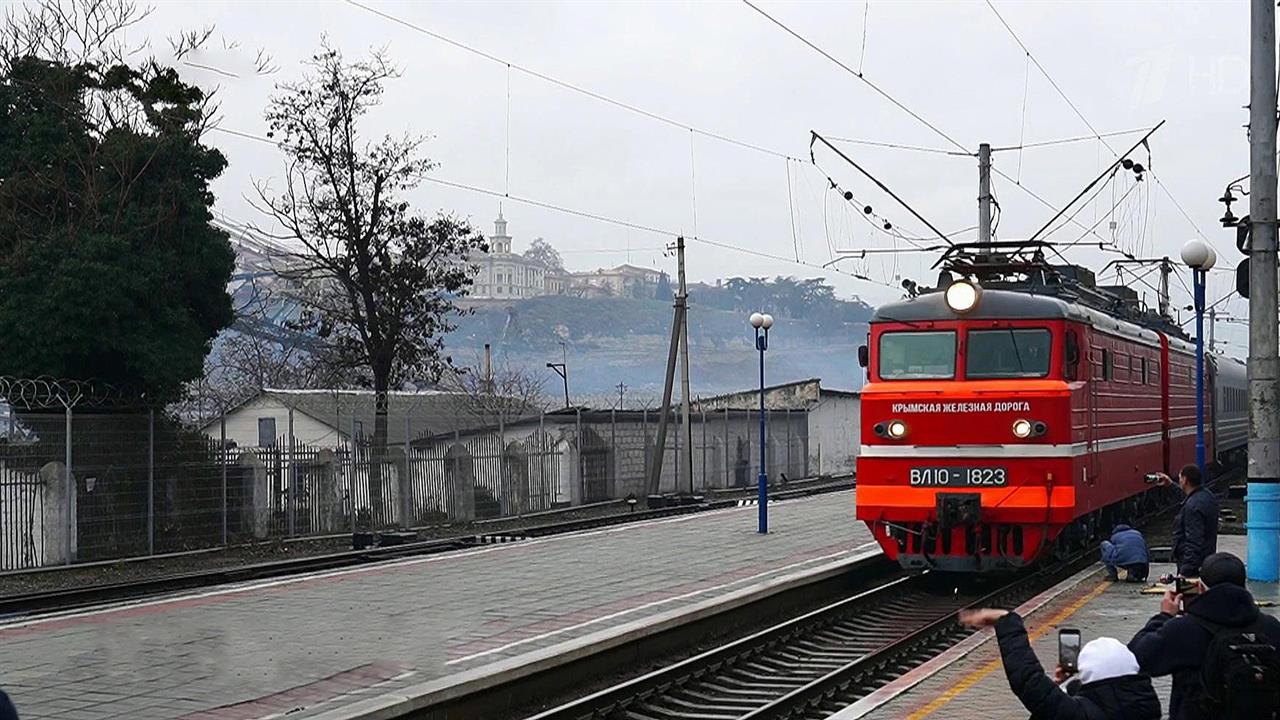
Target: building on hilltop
x=505 y=275
x=630 y=281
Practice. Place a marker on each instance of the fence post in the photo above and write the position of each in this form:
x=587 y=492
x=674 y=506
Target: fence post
x=503 y=490
x=728 y=472
x=645 y=422
x=151 y=481
x=542 y=459
x=704 y=449
x=788 y=439
x=292 y=492
x=406 y=490
x=222 y=449
x=582 y=488
x=676 y=448
x=613 y=454
x=768 y=438
x=70 y=487
x=353 y=445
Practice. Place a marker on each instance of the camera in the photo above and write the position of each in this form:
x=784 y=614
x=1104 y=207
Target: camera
x=1185 y=587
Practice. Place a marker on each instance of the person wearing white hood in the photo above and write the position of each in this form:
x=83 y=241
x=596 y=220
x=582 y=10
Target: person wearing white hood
x=1109 y=686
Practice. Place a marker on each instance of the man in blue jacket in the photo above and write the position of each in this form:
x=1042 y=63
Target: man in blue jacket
x=1173 y=644
x=1195 y=529
x=1127 y=551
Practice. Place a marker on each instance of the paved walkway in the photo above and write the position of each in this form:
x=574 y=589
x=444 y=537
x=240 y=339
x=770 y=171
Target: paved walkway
x=299 y=644
x=975 y=686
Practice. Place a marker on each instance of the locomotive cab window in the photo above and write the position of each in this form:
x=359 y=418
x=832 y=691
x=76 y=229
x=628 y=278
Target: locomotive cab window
x=1008 y=353
x=929 y=355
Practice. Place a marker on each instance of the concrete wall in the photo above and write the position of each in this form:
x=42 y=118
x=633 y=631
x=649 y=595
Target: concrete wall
x=792 y=396
x=834 y=432
x=609 y=456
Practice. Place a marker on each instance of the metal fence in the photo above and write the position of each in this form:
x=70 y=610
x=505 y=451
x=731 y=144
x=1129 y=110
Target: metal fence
x=82 y=484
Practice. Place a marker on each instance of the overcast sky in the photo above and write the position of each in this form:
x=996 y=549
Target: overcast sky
x=723 y=68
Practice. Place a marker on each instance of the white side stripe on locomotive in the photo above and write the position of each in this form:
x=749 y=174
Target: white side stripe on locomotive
x=975 y=451
x=1022 y=451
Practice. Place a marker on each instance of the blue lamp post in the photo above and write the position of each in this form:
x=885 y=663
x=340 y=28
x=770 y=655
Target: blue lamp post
x=762 y=323
x=1200 y=257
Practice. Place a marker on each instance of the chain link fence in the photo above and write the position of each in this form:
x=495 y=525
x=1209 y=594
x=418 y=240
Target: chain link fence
x=82 y=480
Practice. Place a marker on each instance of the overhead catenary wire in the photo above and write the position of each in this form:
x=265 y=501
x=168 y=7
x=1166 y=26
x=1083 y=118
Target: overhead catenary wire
x=880 y=91
x=791 y=208
x=1085 y=120
x=1110 y=168
x=566 y=84
x=587 y=214
x=814 y=136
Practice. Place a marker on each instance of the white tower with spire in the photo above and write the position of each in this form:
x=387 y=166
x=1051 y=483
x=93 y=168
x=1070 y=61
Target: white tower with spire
x=505 y=275
x=500 y=242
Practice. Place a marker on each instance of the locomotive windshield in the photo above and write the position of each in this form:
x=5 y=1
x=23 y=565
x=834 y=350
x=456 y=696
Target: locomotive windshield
x=1009 y=353
x=917 y=355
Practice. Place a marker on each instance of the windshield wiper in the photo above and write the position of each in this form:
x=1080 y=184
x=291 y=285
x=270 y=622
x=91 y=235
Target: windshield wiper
x=1014 y=339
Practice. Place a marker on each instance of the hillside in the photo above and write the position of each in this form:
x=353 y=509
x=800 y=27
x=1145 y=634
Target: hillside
x=612 y=340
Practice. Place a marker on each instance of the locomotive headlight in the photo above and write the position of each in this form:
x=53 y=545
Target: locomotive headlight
x=896 y=429
x=1022 y=428
x=962 y=296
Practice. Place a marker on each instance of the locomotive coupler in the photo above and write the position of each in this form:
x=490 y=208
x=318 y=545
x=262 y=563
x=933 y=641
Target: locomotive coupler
x=958 y=509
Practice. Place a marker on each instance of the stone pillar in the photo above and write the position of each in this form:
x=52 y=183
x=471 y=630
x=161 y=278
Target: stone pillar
x=460 y=483
x=59 y=514
x=327 y=503
x=255 y=510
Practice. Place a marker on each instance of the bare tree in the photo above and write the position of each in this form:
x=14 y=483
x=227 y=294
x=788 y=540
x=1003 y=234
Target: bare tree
x=500 y=393
x=388 y=278
x=71 y=31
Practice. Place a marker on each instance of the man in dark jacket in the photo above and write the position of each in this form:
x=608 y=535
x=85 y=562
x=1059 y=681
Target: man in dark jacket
x=1111 y=688
x=1173 y=644
x=7 y=710
x=1195 y=529
x=1127 y=551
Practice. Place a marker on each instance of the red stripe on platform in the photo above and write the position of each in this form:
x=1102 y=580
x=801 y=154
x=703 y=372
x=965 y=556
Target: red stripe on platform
x=304 y=696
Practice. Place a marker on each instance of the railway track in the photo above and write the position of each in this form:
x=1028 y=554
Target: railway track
x=815 y=664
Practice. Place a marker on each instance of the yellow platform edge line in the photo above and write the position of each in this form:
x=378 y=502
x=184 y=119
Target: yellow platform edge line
x=977 y=675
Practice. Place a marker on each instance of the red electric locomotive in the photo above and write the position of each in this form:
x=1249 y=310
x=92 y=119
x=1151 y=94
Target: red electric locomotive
x=998 y=424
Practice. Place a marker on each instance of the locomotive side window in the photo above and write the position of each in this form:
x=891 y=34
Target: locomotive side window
x=1009 y=353
x=917 y=355
x=1106 y=364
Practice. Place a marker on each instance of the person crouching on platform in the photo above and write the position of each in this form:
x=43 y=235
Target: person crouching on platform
x=1110 y=685
x=1125 y=554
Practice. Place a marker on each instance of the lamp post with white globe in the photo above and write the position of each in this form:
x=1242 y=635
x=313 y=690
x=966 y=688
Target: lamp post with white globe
x=1200 y=257
x=762 y=323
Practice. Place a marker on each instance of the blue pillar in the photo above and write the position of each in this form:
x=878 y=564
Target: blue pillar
x=1198 y=279
x=1263 y=528
x=762 y=344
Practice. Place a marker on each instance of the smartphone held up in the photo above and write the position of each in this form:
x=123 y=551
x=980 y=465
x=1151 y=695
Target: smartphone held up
x=1069 y=650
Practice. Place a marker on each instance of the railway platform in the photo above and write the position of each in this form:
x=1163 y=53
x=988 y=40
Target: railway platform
x=968 y=681
x=371 y=641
